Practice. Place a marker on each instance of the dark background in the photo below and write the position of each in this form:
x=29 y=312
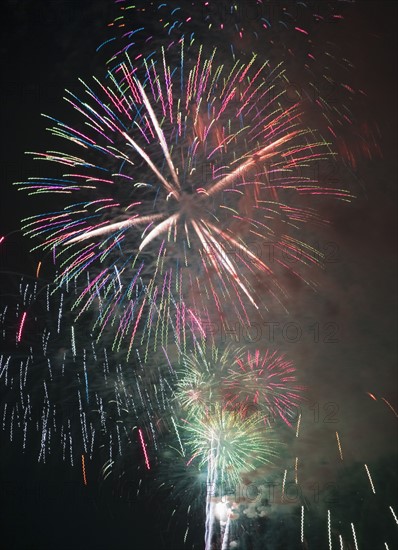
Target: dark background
x=45 y=46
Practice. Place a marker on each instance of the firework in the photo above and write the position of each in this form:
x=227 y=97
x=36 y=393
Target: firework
x=241 y=24
x=318 y=71
x=68 y=393
x=259 y=382
x=201 y=382
x=221 y=431
x=266 y=381
x=228 y=443
x=211 y=392
x=152 y=240
x=75 y=399
x=190 y=187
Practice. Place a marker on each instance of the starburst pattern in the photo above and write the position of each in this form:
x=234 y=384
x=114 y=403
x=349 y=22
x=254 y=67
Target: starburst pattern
x=160 y=239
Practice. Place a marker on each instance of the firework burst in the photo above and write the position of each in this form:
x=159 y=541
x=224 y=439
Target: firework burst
x=220 y=429
x=231 y=442
x=227 y=443
x=200 y=383
x=266 y=381
x=318 y=71
x=255 y=381
x=180 y=171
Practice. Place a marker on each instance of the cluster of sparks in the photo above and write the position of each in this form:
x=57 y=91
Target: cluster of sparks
x=200 y=402
x=321 y=76
x=102 y=406
x=187 y=167
x=240 y=22
x=159 y=241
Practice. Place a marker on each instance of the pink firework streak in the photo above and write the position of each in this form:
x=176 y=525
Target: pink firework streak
x=21 y=325
x=143 y=445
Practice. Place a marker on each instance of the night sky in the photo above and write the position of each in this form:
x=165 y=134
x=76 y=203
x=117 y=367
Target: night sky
x=45 y=47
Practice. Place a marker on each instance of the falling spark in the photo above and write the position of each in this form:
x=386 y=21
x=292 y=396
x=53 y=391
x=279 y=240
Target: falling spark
x=283 y=486
x=302 y=524
x=143 y=445
x=84 y=471
x=298 y=425
x=329 y=531
x=393 y=513
x=370 y=478
x=21 y=326
x=354 y=536
x=391 y=407
x=178 y=436
x=73 y=341
x=339 y=445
